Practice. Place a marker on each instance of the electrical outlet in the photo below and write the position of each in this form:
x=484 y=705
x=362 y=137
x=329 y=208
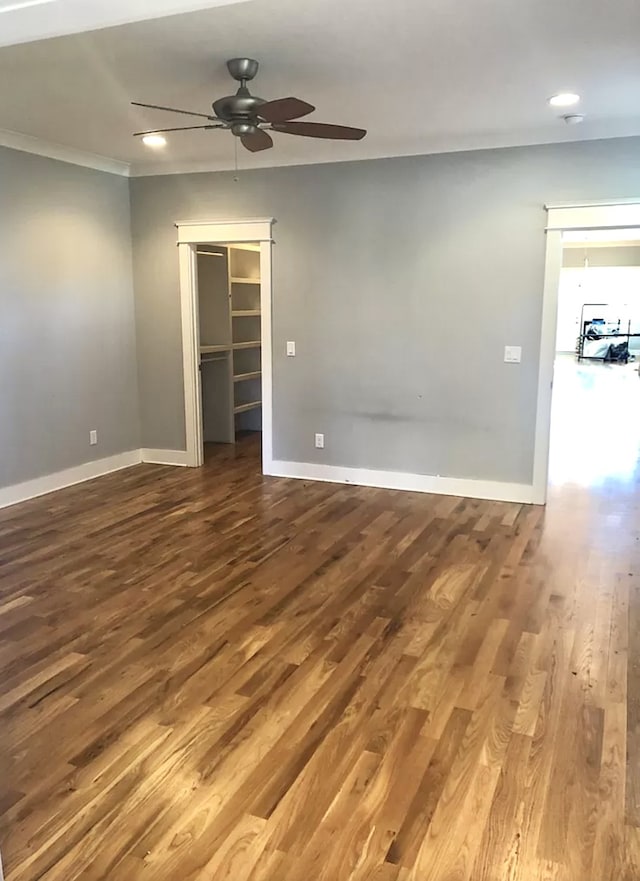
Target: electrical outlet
x=513 y=354
x=319 y=442
x=291 y=349
x=93 y=437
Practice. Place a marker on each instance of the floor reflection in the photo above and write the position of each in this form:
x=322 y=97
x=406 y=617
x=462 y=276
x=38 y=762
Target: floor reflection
x=595 y=422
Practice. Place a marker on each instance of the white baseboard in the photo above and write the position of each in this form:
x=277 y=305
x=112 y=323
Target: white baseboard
x=40 y=486
x=447 y=486
x=164 y=457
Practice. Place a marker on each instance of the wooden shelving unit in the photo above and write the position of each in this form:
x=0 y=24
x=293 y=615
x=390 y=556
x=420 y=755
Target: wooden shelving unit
x=244 y=377
x=247 y=246
x=230 y=344
x=243 y=408
x=205 y=350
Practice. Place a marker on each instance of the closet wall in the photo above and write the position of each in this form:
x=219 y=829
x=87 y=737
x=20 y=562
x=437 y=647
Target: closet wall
x=215 y=345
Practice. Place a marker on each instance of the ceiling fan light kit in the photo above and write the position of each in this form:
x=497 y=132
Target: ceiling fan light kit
x=250 y=118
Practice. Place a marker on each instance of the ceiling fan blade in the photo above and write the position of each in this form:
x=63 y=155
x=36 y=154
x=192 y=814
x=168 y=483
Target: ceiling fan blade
x=284 y=109
x=174 y=110
x=182 y=128
x=320 y=130
x=258 y=140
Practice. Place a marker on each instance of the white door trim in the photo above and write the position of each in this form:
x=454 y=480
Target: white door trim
x=191 y=234
x=560 y=218
x=203 y=232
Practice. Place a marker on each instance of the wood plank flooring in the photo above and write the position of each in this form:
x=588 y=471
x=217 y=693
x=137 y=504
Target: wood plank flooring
x=209 y=674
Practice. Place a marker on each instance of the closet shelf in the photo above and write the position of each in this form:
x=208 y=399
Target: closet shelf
x=254 y=344
x=242 y=377
x=225 y=347
x=245 y=246
x=242 y=408
x=244 y=280
x=245 y=313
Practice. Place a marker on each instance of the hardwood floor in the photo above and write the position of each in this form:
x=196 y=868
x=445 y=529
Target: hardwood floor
x=208 y=675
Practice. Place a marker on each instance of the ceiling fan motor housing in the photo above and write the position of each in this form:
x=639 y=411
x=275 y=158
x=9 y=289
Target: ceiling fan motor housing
x=240 y=109
x=243 y=128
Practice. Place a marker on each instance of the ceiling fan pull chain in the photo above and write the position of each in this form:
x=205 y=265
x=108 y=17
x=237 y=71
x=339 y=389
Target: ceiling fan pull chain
x=235 y=156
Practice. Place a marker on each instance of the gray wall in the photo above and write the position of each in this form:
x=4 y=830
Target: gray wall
x=67 y=338
x=401 y=281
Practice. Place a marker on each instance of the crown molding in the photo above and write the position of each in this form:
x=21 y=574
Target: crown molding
x=74 y=156
x=437 y=146
x=39 y=147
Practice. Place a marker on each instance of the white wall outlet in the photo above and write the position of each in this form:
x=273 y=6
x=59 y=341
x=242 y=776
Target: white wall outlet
x=513 y=354
x=291 y=349
x=319 y=442
x=93 y=437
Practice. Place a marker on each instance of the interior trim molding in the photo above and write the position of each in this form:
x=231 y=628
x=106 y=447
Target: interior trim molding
x=40 y=486
x=612 y=215
x=550 y=206
x=448 y=486
x=399 y=480
x=164 y=457
x=51 y=150
x=251 y=229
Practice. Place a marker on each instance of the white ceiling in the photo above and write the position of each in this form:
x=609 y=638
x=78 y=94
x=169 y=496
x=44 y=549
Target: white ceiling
x=421 y=75
x=26 y=20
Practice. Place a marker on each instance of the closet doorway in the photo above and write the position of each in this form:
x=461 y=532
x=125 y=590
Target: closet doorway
x=225 y=281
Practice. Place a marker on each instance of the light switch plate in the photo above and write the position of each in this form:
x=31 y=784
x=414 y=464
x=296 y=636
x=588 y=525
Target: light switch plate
x=513 y=354
x=291 y=349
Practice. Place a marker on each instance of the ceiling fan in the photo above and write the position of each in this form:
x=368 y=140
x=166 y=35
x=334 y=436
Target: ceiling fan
x=251 y=119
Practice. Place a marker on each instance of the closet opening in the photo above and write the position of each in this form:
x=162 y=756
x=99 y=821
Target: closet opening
x=230 y=344
x=595 y=413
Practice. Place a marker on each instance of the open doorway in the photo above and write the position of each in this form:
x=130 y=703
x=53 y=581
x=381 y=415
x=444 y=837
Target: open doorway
x=225 y=296
x=230 y=336
x=595 y=414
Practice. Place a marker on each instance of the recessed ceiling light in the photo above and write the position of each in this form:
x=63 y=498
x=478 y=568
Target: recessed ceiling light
x=154 y=141
x=22 y=4
x=564 y=99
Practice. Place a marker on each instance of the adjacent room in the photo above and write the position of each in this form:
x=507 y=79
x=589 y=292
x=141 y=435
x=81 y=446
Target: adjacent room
x=319 y=440
x=595 y=433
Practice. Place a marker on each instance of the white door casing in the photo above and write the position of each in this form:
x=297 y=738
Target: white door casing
x=562 y=218
x=190 y=235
